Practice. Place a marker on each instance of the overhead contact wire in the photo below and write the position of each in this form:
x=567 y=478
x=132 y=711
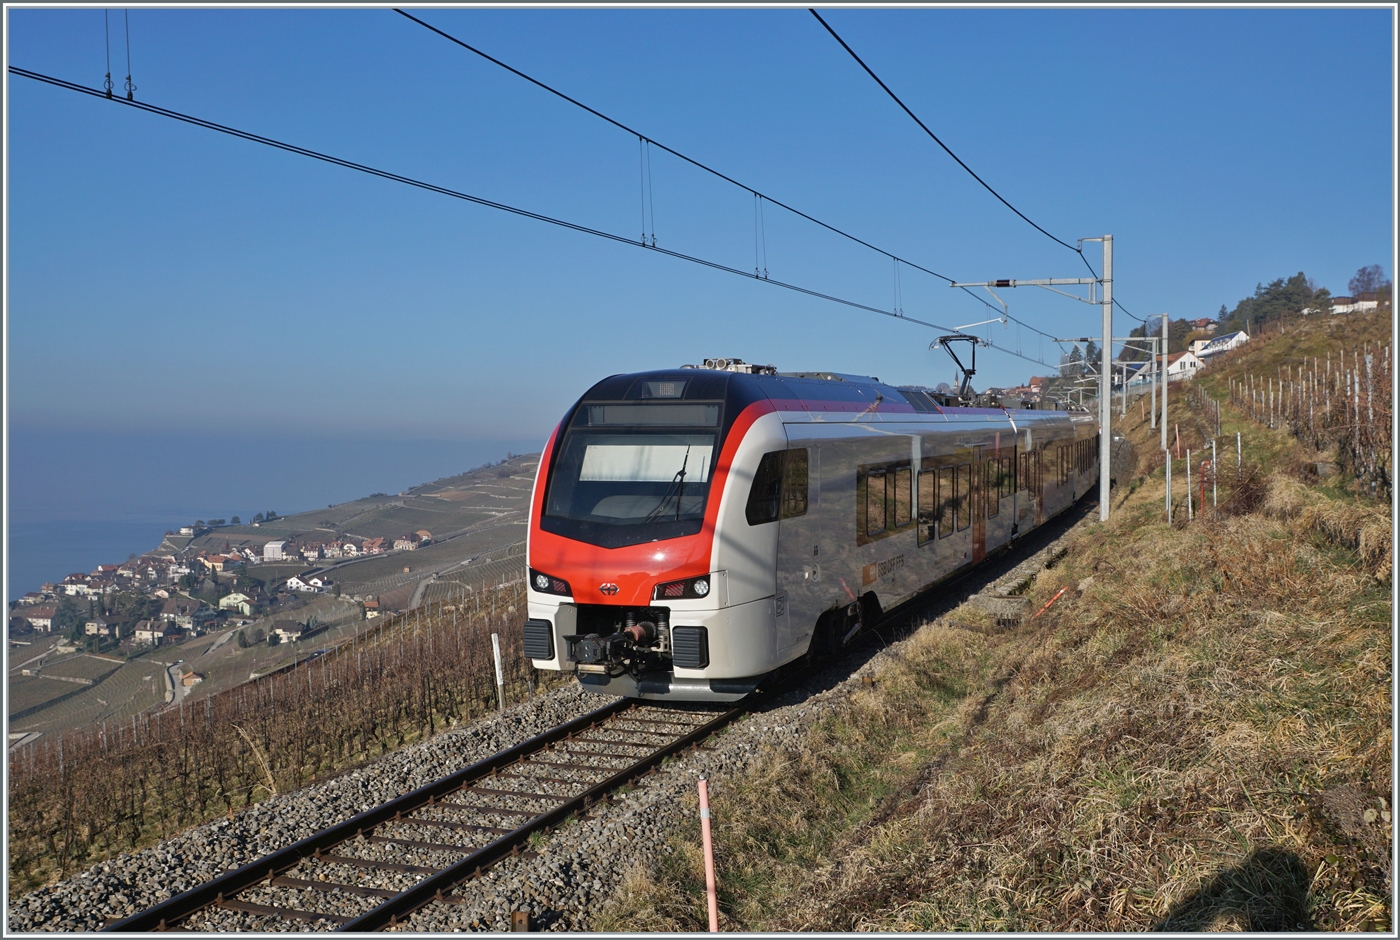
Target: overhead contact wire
x=478 y=200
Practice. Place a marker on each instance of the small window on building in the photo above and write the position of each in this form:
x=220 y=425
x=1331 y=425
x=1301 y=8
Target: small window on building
x=902 y=495
x=928 y=505
x=767 y=486
x=875 y=503
x=964 y=496
x=795 y=483
x=948 y=501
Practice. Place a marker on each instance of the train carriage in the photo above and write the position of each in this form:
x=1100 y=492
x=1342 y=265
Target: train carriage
x=693 y=530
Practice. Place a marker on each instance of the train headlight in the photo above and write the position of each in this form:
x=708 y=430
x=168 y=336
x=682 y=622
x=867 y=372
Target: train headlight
x=548 y=584
x=690 y=588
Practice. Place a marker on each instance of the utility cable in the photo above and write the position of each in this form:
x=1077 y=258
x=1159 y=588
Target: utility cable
x=1077 y=250
x=676 y=153
x=940 y=143
x=478 y=200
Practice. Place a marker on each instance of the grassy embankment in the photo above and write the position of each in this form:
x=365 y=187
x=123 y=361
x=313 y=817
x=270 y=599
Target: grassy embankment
x=1195 y=736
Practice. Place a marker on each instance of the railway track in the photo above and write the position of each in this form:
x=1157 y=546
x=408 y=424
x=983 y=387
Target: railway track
x=374 y=869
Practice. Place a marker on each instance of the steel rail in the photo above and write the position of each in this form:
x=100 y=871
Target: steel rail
x=168 y=912
x=434 y=887
x=271 y=868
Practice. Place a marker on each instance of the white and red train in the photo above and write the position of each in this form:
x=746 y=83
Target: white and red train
x=693 y=530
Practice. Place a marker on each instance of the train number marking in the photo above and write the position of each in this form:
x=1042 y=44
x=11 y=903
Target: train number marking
x=879 y=569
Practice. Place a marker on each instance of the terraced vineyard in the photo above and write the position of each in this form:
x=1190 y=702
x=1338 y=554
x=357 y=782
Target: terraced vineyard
x=134 y=687
x=83 y=667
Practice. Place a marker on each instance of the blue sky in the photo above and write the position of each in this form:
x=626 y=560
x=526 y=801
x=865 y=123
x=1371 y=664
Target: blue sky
x=169 y=283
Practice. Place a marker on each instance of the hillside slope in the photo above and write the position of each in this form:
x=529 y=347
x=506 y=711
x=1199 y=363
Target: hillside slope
x=1195 y=735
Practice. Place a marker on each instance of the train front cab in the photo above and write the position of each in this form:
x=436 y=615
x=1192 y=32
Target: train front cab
x=645 y=582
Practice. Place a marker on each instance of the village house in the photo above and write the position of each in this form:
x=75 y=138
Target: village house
x=348 y=549
x=239 y=602
x=31 y=597
x=371 y=608
x=105 y=571
x=153 y=632
x=374 y=546
x=311 y=551
x=191 y=678
x=40 y=617
x=424 y=537
x=1220 y=344
x=180 y=610
x=273 y=551
x=102 y=626
x=334 y=549
x=295 y=583
x=407 y=542
x=1358 y=304
x=288 y=631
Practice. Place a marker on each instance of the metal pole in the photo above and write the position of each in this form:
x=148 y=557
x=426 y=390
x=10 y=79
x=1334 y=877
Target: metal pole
x=1106 y=360
x=1189 y=514
x=1165 y=383
x=1238 y=453
x=500 y=678
x=1152 y=367
x=1214 y=477
x=1169 y=484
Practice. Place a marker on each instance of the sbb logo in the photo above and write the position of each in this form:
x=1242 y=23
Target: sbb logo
x=609 y=589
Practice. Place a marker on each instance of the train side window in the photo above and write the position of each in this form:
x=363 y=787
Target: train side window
x=963 y=495
x=795 y=483
x=991 y=487
x=766 y=491
x=948 y=502
x=902 y=478
x=875 y=503
x=927 y=505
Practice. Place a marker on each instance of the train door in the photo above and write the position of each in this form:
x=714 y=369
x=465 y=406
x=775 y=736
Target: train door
x=799 y=553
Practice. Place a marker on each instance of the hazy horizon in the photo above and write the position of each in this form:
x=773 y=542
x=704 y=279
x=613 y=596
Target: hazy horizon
x=77 y=499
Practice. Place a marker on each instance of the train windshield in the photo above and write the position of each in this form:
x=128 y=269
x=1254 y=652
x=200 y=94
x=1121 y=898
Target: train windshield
x=633 y=472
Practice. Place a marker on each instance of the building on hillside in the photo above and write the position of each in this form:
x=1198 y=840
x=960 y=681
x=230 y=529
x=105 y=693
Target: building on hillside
x=297 y=584
x=321 y=583
x=424 y=537
x=1205 y=323
x=288 y=631
x=39 y=616
x=103 y=626
x=1358 y=304
x=237 y=601
x=273 y=551
x=1221 y=344
x=180 y=610
x=374 y=546
x=153 y=632
x=1182 y=365
x=349 y=549
x=191 y=678
x=407 y=542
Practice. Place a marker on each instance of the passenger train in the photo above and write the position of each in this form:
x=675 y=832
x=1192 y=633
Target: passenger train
x=694 y=530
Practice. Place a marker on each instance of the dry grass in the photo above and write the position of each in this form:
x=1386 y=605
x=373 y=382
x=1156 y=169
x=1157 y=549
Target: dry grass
x=1200 y=740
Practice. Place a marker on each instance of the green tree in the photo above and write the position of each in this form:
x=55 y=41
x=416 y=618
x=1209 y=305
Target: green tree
x=241 y=640
x=259 y=516
x=235 y=521
x=68 y=618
